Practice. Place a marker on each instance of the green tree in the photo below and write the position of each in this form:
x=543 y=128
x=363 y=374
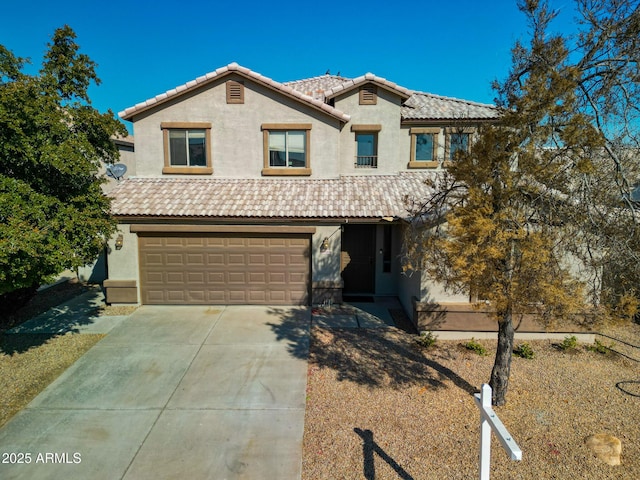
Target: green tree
x=53 y=215
x=540 y=212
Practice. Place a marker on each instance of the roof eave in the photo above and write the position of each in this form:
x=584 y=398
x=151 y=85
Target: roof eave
x=448 y=121
x=350 y=85
x=233 y=68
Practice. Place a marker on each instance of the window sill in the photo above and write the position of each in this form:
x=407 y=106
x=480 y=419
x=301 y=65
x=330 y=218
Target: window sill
x=188 y=170
x=422 y=164
x=302 y=172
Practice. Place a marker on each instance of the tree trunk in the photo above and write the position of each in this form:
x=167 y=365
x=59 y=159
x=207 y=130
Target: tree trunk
x=502 y=365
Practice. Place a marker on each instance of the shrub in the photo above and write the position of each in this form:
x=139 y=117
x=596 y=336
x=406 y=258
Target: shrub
x=427 y=339
x=476 y=347
x=524 y=350
x=569 y=343
x=599 y=347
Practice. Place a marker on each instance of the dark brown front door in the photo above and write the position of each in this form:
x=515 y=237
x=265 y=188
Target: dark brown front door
x=358 y=258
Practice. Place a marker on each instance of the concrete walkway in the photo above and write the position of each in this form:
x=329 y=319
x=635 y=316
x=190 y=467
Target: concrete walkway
x=172 y=392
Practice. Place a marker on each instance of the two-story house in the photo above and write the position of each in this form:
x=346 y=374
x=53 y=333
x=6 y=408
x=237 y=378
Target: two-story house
x=251 y=191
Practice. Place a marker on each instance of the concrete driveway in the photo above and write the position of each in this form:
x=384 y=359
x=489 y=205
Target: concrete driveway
x=173 y=392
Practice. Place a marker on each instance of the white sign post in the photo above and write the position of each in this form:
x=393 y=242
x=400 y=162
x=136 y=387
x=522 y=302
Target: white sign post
x=489 y=421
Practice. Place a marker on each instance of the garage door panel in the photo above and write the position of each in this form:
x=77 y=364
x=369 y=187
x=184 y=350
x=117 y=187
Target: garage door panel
x=257 y=242
x=294 y=259
x=224 y=269
x=215 y=278
x=258 y=259
x=195 y=259
x=174 y=259
x=237 y=296
x=196 y=296
x=237 y=277
x=174 y=242
x=152 y=259
x=153 y=278
x=236 y=259
x=277 y=278
x=150 y=242
x=278 y=259
x=216 y=296
x=214 y=259
x=176 y=278
x=257 y=296
x=176 y=296
x=194 y=241
x=196 y=278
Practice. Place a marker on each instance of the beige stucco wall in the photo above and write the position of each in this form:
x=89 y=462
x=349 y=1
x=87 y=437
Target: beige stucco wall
x=325 y=265
x=237 y=139
x=123 y=263
x=127 y=157
x=386 y=113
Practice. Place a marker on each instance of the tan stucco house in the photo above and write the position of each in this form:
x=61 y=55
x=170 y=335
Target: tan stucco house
x=251 y=191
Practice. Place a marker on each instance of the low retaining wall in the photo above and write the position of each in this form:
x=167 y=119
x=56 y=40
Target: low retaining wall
x=463 y=317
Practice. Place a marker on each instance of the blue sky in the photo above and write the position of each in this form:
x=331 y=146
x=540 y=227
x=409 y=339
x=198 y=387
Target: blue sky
x=144 y=48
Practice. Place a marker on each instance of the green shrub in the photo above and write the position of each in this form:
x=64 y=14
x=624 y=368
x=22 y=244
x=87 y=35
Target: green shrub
x=476 y=347
x=599 y=347
x=427 y=339
x=524 y=350
x=569 y=343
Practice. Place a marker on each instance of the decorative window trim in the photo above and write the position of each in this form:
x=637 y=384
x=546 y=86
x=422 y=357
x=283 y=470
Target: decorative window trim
x=366 y=128
x=413 y=163
x=368 y=94
x=447 y=144
x=267 y=169
x=366 y=161
x=186 y=170
x=235 y=92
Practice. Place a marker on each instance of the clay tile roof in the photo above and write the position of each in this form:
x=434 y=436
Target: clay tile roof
x=425 y=106
x=316 y=86
x=366 y=197
x=368 y=77
x=128 y=113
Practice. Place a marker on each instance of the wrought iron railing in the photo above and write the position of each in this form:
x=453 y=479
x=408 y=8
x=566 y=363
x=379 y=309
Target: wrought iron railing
x=369 y=161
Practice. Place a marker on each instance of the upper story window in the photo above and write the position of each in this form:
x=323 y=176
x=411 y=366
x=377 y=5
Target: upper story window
x=424 y=147
x=187 y=148
x=286 y=149
x=366 y=137
x=368 y=95
x=458 y=140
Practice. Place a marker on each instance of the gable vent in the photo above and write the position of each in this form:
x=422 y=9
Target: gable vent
x=368 y=95
x=235 y=92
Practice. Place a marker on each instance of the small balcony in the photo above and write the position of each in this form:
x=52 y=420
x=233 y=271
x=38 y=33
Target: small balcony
x=369 y=161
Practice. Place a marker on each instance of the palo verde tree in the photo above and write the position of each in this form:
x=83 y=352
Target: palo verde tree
x=539 y=216
x=53 y=215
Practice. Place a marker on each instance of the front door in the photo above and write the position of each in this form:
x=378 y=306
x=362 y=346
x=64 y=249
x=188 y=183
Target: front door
x=358 y=258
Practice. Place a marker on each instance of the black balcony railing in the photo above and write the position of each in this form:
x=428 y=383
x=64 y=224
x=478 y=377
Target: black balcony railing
x=369 y=161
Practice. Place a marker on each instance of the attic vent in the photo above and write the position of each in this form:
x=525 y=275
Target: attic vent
x=235 y=92
x=368 y=95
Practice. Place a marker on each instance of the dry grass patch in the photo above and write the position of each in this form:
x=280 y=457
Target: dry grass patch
x=28 y=363
x=381 y=406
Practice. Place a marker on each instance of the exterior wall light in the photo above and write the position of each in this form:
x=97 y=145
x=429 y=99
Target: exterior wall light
x=119 y=241
x=324 y=246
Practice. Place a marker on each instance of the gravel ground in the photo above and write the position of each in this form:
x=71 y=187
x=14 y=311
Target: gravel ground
x=381 y=406
x=28 y=363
